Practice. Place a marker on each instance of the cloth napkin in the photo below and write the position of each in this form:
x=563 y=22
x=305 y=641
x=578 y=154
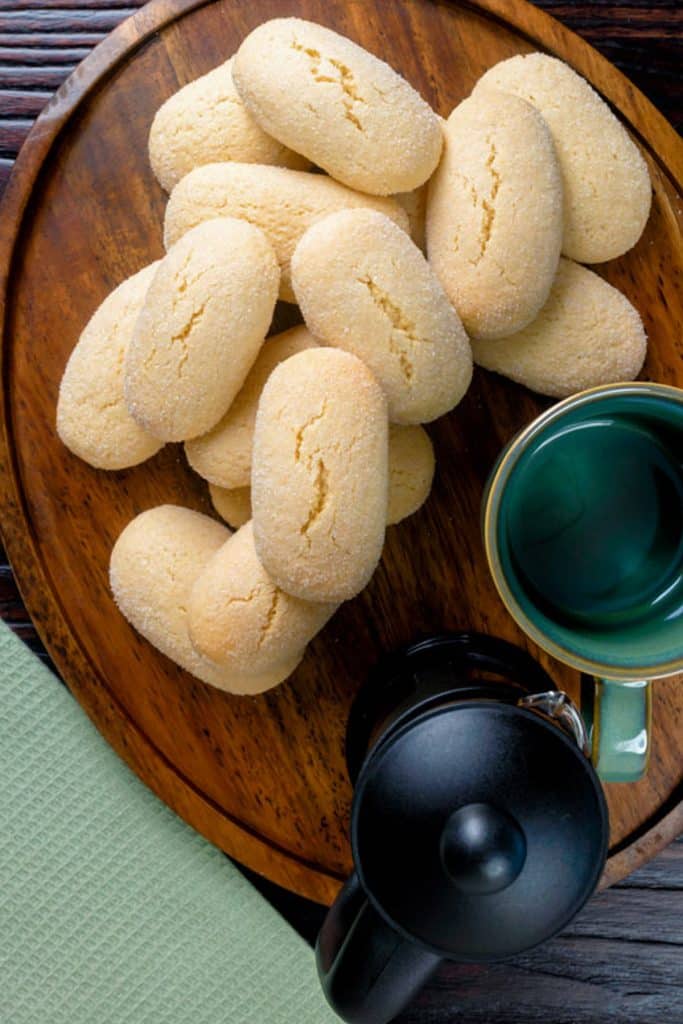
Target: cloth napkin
x=113 y=910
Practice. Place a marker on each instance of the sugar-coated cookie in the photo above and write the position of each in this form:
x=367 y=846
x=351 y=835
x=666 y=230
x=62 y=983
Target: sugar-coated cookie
x=232 y=504
x=364 y=286
x=607 y=191
x=494 y=213
x=415 y=205
x=153 y=567
x=281 y=202
x=202 y=324
x=587 y=334
x=319 y=475
x=206 y=121
x=92 y=417
x=223 y=456
x=238 y=617
x=345 y=109
x=411 y=471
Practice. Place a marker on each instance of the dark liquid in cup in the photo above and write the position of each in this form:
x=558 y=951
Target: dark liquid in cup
x=594 y=524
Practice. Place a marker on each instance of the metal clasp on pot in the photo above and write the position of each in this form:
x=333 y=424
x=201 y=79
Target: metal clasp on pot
x=558 y=706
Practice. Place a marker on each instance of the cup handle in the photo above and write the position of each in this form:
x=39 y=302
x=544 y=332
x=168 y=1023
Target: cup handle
x=621 y=729
x=368 y=972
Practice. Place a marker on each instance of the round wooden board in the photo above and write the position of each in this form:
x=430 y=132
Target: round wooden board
x=264 y=777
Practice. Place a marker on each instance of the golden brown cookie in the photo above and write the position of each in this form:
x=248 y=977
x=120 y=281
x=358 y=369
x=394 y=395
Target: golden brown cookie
x=319 y=475
x=607 y=191
x=281 y=202
x=411 y=471
x=232 y=504
x=345 y=109
x=223 y=456
x=92 y=417
x=365 y=287
x=206 y=314
x=154 y=565
x=206 y=121
x=239 y=618
x=587 y=334
x=494 y=213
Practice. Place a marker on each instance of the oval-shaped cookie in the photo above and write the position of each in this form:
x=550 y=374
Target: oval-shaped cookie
x=364 y=286
x=232 y=504
x=415 y=205
x=223 y=456
x=281 y=202
x=411 y=471
x=153 y=567
x=238 y=616
x=319 y=475
x=203 y=322
x=494 y=213
x=350 y=113
x=587 y=334
x=206 y=121
x=607 y=191
x=92 y=417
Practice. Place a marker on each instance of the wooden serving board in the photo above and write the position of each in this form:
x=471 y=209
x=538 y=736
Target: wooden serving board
x=264 y=777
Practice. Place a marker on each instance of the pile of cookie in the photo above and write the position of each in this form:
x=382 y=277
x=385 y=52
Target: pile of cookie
x=306 y=169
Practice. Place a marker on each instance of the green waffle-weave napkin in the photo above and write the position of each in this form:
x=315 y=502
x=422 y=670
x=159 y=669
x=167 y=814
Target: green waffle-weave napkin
x=112 y=910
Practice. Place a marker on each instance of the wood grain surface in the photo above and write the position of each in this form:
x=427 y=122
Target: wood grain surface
x=619 y=962
x=76 y=26
x=265 y=778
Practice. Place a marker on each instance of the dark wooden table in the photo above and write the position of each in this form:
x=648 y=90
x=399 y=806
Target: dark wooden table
x=622 y=958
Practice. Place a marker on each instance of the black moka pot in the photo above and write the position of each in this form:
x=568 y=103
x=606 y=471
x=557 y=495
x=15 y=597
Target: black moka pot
x=479 y=827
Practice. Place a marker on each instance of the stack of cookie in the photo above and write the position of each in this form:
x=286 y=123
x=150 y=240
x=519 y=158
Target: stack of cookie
x=311 y=441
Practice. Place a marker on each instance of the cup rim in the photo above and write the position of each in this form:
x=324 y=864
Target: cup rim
x=492 y=500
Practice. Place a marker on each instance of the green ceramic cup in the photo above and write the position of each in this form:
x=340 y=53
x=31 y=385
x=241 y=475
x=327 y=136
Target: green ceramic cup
x=583 y=529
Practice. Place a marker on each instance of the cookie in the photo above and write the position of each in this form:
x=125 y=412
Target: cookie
x=607 y=190
x=223 y=456
x=238 y=617
x=319 y=475
x=233 y=505
x=92 y=417
x=415 y=205
x=345 y=109
x=203 y=322
x=494 y=213
x=587 y=334
x=281 y=202
x=206 y=121
x=411 y=471
x=154 y=565
x=365 y=287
